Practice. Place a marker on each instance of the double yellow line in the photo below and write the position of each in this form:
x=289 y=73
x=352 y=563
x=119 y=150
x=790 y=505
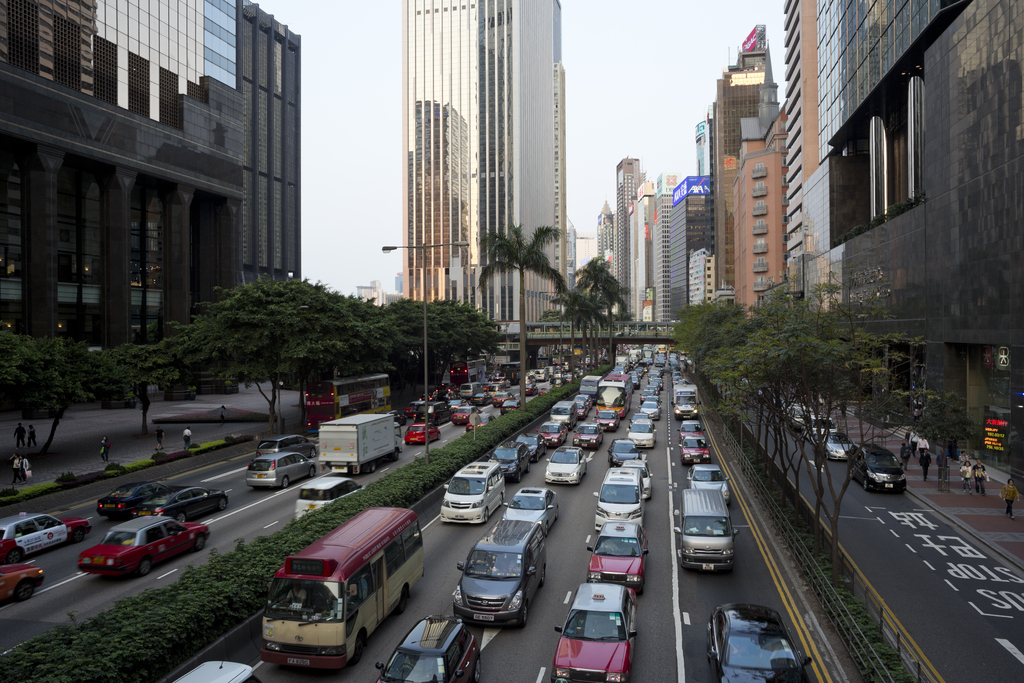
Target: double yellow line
x=802 y=632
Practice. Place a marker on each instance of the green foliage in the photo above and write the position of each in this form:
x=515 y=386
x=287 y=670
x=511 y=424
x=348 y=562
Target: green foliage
x=27 y=493
x=207 y=447
x=890 y=213
x=945 y=417
x=551 y=315
x=113 y=468
x=138 y=465
x=144 y=636
x=140 y=365
x=68 y=476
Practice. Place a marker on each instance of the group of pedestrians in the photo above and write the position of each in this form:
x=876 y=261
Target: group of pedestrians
x=975 y=474
x=919 y=446
x=21 y=469
x=20 y=434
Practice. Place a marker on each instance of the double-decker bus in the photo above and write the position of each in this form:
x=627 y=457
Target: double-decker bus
x=510 y=371
x=328 y=599
x=589 y=385
x=464 y=371
x=337 y=398
x=615 y=392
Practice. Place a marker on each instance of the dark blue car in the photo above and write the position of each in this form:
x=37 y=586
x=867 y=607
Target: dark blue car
x=125 y=499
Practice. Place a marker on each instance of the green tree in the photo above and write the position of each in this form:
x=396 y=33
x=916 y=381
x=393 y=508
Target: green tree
x=596 y=277
x=144 y=364
x=513 y=251
x=58 y=373
x=577 y=308
x=404 y=321
x=550 y=315
x=457 y=330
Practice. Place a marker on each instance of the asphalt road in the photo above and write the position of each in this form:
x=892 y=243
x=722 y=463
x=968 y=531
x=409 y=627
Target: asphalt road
x=950 y=594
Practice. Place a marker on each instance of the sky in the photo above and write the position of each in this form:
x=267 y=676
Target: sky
x=639 y=77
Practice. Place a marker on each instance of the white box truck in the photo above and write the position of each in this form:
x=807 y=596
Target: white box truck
x=358 y=443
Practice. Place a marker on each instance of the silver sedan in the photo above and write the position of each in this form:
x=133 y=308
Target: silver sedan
x=709 y=477
x=534 y=504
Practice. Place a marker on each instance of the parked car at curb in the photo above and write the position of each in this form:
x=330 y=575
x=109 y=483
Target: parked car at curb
x=877 y=468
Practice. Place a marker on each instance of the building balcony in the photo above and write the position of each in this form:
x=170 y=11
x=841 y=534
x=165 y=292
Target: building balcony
x=759 y=192
x=759 y=211
x=761 y=285
x=759 y=172
x=760 y=267
x=760 y=229
x=759 y=249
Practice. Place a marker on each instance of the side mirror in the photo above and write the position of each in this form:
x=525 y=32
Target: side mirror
x=807 y=660
x=735 y=533
x=491 y=488
x=677 y=530
x=558 y=629
x=459 y=673
x=460 y=565
x=380 y=665
x=632 y=634
x=596 y=495
x=531 y=571
x=551 y=507
x=446 y=487
x=713 y=654
x=590 y=548
x=505 y=504
x=646 y=551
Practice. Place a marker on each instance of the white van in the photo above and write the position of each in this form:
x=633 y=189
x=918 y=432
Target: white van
x=564 y=411
x=477 y=490
x=620 y=499
x=322 y=491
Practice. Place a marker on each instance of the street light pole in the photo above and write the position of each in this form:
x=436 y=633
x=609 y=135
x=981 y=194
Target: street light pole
x=426 y=367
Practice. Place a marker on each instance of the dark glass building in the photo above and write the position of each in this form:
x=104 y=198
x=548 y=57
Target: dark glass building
x=692 y=227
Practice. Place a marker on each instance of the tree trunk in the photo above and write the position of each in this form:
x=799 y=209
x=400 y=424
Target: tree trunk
x=53 y=428
x=572 y=351
x=522 y=337
x=143 y=392
x=834 y=520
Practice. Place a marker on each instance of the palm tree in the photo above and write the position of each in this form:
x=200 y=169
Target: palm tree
x=513 y=251
x=577 y=309
x=596 y=277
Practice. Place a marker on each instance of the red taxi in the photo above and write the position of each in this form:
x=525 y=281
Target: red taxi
x=588 y=435
x=608 y=419
x=413 y=409
x=598 y=636
x=30 y=532
x=460 y=416
x=695 y=449
x=417 y=434
x=553 y=433
x=19 y=581
x=137 y=545
x=619 y=556
x=499 y=397
x=691 y=428
x=531 y=389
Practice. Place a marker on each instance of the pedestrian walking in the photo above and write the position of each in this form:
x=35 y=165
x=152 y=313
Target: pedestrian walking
x=104 y=449
x=159 y=438
x=19 y=436
x=223 y=414
x=15 y=461
x=912 y=437
x=187 y=437
x=1009 y=493
x=905 y=455
x=26 y=469
x=965 y=474
x=923 y=445
x=925 y=460
x=980 y=477
x=953 y=449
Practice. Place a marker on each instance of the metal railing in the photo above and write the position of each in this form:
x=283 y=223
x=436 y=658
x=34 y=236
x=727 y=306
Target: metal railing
x=869 y=661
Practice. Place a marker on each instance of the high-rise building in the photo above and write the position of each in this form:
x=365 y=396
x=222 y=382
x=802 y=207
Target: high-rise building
x=737 y=97
x=586 y=248
x=478 y=132
x=702 y=277
x=563 y=260
x=802 y=112
x=605 y=232
x=661 y=270
x=705 y=144
x=641 y=251
x=270 y=58
x=628 y=177
x=570 y=258
x=121 y=165
x=398 y=282
x=691 y=228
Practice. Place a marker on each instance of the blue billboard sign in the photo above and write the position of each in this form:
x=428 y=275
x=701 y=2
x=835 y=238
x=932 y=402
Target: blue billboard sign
x=694 y=184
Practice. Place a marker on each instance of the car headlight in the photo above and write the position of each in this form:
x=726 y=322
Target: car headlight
x=271 y=645
x=445 y=503
x=594 y=576
x=725 y=493
x=636 y=513
x=901 y=477
x=457 y=595
x=333 y=650
x=517 y=600
x=634 y=578
x=601 y=511
x=477 y=504
x=872 y=475
x=561 y=672
x=615 y=678
x=687 y=549
x=727 y=551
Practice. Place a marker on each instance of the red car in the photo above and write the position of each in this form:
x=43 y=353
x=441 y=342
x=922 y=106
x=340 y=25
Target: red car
x=694 y=449
x=460 y=416
x=588 y=435
x=531 y=389
x=137 y=545
x=598 y=636
x=608 y=419
x=691 y=428
x=416 y=433
x=484 y=419
x=619 y=556
x=413 y=409
x=499 y=397
x=553 y=433
x=27 y=533
x=19 y=581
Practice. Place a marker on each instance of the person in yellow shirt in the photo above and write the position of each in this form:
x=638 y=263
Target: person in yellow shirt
x=1009 y=493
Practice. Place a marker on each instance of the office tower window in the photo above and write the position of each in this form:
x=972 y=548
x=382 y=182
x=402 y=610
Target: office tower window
x=262 y=208
x=79 y=276
x=197 y=92
x=138 y=84
x=169 y=112
x=23 y=35
x=104 y=55
x=246 y=219
x=147 y=263
x=67 y=69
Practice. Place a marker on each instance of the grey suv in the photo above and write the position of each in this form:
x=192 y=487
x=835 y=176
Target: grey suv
x=287 y=442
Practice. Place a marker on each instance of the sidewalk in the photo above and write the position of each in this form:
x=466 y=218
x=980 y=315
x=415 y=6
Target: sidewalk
x=981 y=517
x=75 y=446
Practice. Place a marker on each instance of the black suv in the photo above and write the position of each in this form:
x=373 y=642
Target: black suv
x=502 y=574
x=514 y=459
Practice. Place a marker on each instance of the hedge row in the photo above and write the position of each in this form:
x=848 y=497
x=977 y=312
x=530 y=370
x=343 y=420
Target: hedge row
x=143 y=637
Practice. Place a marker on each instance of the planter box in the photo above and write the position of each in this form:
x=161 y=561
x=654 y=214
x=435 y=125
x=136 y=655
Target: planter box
x=207 y=389
x=179 y=394
x=123 y=403
x=227 y=389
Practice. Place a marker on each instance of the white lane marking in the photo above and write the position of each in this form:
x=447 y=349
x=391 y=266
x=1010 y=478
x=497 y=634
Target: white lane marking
x=257 y=665
x=1011 y=649
x=911 y=548
x=431 y=521
x=258 y=502
x=50 y=588
x=867 y=508
x=686 y=618
x=385 y=470
x=680 y=661
x=488 y=636
x=952 y=586
x=226 y=474
x=588 y=538
x=894 y=533
x=167 y=574
x=271 y=524
x=880 y=520
x=88 y=518
x=32 y=561
x=1001 y=616
x=568 y=597
x=228 y=490
x=929 y=566
x=540 y=676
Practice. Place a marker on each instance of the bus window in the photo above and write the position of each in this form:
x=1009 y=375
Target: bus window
x=394 y=556
x=304 y=599
x=360 y=587
x=412 y=539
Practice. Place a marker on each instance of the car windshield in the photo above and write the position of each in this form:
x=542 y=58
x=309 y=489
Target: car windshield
x=565 y=457
x=305 y=600
x=268 y=445
x=591 y=625
x=694 y=442
x=124 y=491
x=759 y=651
x=528 y=440
x=642 y=469
x=414 y=667
x=506 y=454
x=882 y=460
x=690 y=427
x=617 y=546
x=611 y=396
x=260 y=465
x=588 y=429
x=642 y=428
x=416 y=428
x=708 y=475
x=490 y=565
x=650 y=405
x=607 y=414
x=465 y=486
x=623 y=447
x=116 y=537
x=842 y=439
x=549 y=427
x=560 y=410
x=622 y=494
x=527 y=503
x=464 y=410
x=706 y=526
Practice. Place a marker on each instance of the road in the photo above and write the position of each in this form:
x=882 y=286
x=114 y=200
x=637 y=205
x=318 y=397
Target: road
x=943 y=588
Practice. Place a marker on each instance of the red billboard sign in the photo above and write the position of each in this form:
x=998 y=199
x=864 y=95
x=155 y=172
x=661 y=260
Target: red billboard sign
x=750 y=41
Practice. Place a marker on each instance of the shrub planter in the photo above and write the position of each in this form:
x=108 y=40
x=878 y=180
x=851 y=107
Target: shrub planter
x=121 y=403
x=179 y=394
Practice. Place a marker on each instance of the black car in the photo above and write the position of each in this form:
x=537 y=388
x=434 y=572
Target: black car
x=436 y=645
x=750 y=643
x=183 y=503
x=509 y=406
x=122 y=501
x=480 y=399
x=535 y=444
x=622 y=450
x=398 y=417
x=514 y=459
x=878 y=468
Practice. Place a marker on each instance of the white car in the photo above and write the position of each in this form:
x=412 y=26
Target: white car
x=709 y=477
x=534 y=504
x=567 y=465
x=839 y=446
x=645 y=476
x=651 y=409
x=643 y=434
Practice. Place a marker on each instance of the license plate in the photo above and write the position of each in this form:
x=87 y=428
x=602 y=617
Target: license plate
x=260 y=476
x=300 y=662
x=97 y=560
x=484 y=617
x=707 y=567
x=108 y=505
x=145 y=512
x=311 y=507
x=888 y=486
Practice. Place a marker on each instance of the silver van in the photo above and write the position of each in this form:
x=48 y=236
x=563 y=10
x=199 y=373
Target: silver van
x=564 y=411
x=477 y=490
x=707 y=533
x=275 y=470
x=470 y=389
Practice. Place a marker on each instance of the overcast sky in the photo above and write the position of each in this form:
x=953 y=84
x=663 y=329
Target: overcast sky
x=639 y=76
